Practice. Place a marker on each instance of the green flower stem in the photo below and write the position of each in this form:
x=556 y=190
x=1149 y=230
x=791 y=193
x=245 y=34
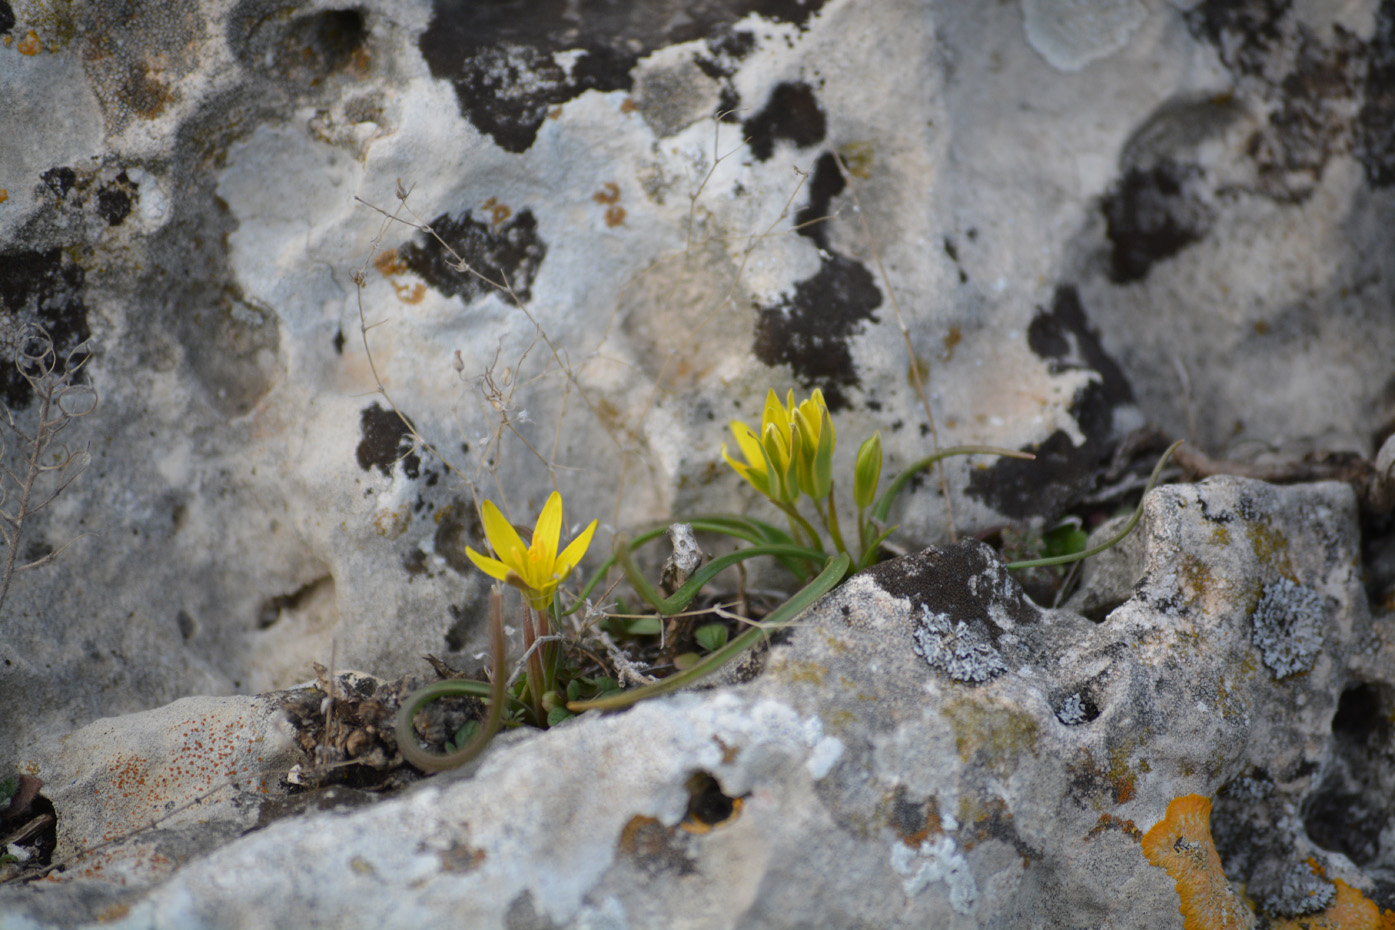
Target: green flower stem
x=1118 y=537
x=536 y=676
x=834 y=530
x=796 y=518
x=826 y=581
x=492 y=692
x=883 y=505
x=685 y=594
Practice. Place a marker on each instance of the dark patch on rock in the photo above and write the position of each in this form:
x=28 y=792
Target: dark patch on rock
x=811 y=330
x=299 y=51
x=458 y=526
x=729 y=105
x=914 y=821
x=458 y=633
x=500 y=56
x=726 y=48
x=656 y=849
x=512 y=251
x=1153 y=214
x=1375 y=124
x=230 y=344
x=1067 y=341
x=1244 y=32
x=523 y=915
x=271 y=608
x=1020 y=488
x=1348 y=811
x=45 y=288
x=338 y=343
x=60 y=180
x=963 y=580
x=1310 y=87
x=996 y=823
x=825 y=183
x=332 y=36
x=386 y=441
x=187 y=627
x=7 y=18
x=792 y=114
x=114 y=199
x=414 y=563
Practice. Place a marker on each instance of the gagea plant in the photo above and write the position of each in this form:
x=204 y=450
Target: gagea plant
x=789 y=460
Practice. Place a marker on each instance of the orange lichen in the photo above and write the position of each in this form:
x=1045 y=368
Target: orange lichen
x=389 y=265
x=30 y=44
x=1181 y=843
x=498 y=212
x=1350 y=910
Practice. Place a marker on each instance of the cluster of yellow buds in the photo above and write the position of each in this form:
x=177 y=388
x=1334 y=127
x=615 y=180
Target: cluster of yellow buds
x=792 y=454
x=793 y=451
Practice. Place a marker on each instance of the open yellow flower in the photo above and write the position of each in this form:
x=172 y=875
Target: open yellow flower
x=536 y=569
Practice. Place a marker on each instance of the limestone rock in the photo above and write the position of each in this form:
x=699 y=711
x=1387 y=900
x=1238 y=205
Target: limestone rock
x=857 y=783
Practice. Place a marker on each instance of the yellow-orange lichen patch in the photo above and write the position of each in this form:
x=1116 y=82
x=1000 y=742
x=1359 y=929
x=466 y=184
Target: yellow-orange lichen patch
x=1109 y=822
x=498 y=212
x=390 y=264
x=1349 y=910
x=1181 y=843
x=30 y=44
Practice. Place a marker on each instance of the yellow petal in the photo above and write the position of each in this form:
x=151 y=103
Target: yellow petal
x=755 y=476
x=774 y=413
x=491 y=567
x=503 y=538
x=749 y=444
x=547 y=532
x=575 y=550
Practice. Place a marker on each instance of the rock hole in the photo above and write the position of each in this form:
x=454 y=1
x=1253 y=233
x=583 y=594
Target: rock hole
x=1347 y=813
x=708 y=806
x=272 y=607
x=1076 y=707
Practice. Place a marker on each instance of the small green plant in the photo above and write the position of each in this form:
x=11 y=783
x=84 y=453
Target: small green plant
x=789 y=460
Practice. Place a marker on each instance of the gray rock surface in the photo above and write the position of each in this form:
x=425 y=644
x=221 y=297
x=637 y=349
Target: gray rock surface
x=1067 y=219
x=858 y=783
x=1069 y=253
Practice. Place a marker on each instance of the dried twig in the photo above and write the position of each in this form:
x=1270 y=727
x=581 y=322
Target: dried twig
x=46 y=466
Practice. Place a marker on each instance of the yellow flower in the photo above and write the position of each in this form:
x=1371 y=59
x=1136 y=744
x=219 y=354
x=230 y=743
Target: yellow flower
x=769 y=466
x=536 y=569
x=793 y=451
